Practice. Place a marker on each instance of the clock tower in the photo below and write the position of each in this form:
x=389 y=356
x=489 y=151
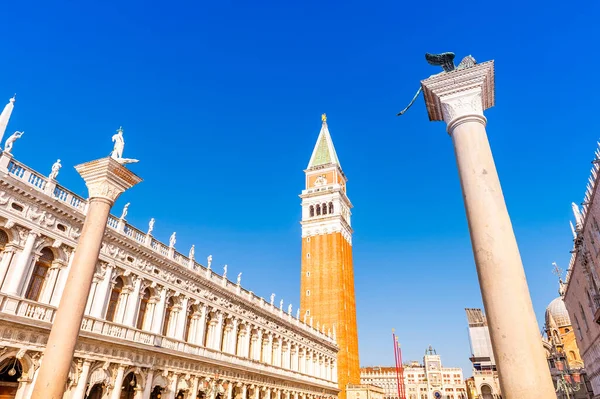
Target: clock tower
x=327 y=280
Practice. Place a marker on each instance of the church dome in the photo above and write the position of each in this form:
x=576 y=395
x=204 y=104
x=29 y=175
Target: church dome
x=558 y=312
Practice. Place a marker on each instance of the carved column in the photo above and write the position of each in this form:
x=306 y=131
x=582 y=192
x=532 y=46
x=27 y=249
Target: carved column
x=80 y=389
x=148 y=384
x=181 y=319
x=194 y=390
x=133 y=303
x=17 y=273
x=234 y=337
x=159 y=313
x=7 y=258
x=459 y=99
x=62 y=279
x=118 y=383
x=172 y=390
x=103 y=289
x=201 y=326
x=106 y=179
x=218 y=332
x=48 y=289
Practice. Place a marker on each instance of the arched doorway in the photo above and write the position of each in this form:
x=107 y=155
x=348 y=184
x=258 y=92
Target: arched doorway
x=486 y=392
x=128 y=390
x=156 y=393
x=39 y=275
x=10 y=372
x=180 y=394
x=95 y=392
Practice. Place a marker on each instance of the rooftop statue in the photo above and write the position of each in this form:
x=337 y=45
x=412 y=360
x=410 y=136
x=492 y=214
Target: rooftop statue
x=239 y=278
x=446 y=61
x=8 y=145
x=125 y=210
x=173 y=240
x=150 y=226
x=55 y=168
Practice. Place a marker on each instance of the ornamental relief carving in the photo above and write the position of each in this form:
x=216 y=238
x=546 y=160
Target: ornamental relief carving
x=4 y=198
x=468 y=104
x=104 y=189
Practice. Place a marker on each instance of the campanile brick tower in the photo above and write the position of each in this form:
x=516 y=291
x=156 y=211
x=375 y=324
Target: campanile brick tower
x=327 y=281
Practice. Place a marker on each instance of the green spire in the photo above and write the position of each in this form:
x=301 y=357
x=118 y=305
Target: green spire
x=324 y=152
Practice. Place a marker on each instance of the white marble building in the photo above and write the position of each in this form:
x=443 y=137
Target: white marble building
x=157 y=323
x=429 y=380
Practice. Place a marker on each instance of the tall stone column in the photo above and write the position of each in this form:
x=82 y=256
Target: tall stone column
x=148 y=384
x=159 y=313
x=459 y=99
x=181 y=319
x=106 y=179
x=201 y=326
x=194 y=391
x=61 y=281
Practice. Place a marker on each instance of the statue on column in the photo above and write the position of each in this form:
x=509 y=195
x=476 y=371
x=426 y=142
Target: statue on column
x=125 y=209
x=55 y=168
x=239 y=278
x=150 y=226
x=8 y=145
x=117 y=152
x=173 y=240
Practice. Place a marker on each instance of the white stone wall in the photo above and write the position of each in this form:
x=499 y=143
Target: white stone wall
x=215 y=327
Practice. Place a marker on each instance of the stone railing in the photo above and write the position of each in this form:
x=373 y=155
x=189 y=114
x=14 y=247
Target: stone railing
x=36 y=181
x=45 y=313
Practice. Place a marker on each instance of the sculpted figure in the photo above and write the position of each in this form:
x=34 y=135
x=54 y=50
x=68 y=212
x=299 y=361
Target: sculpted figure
x=192 y=252
x=290 y=309
x=225 y=271
x=208 y=261
x=55 y=168
x=172 y=240
x=239 y=278
x=8 y=145
x=117 y=152
x=125 y=208
x=150 y=226
x=281 y=305
x=272 y=299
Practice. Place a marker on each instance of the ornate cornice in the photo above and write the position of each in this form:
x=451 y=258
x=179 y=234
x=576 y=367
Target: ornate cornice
x=106 y=178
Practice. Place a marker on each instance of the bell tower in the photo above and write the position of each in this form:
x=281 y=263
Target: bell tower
x=327 y=280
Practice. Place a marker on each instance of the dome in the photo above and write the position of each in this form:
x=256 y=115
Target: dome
x=558 y=311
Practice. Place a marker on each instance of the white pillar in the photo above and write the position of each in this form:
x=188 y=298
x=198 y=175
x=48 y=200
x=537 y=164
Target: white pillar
x=7 y=257
x=50 y=284
x=219 y=332
x=118 y=384
x=181 y=319
x=133 y=304
x=229 y=390
x=61 y=281
x=234 y=337
x=159 y=313
x=201 y=326
x=79 y=392
x=17 y=273
x=103 y=290
x=172 y=391
x=194 y=390
x=459 y=99
x=148 y=384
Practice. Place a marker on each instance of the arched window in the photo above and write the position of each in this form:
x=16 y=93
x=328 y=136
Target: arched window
x=330 y=208
x=129 y=384
x=3 y=240
x=312 y=211
x=318 y=210
x=168 y=311
x=324 y=207
x=587 y=327
x=11 y=372
x=143 y=308
x=38 y=277
x=113 y=301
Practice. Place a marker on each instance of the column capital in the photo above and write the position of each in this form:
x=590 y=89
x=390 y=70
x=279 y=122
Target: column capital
x=106 y=178
x=451 y=96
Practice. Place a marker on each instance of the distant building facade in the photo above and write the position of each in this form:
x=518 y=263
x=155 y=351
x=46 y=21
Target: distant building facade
x=582 y=291
x=484 y=383
x=364 y=391
x=429 y=380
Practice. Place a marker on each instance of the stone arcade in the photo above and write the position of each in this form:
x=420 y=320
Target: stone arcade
x=157 y=324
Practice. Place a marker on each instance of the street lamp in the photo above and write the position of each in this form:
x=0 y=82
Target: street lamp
x=568 y=381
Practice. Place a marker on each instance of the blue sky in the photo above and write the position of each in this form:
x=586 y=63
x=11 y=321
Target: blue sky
x=221 y=102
